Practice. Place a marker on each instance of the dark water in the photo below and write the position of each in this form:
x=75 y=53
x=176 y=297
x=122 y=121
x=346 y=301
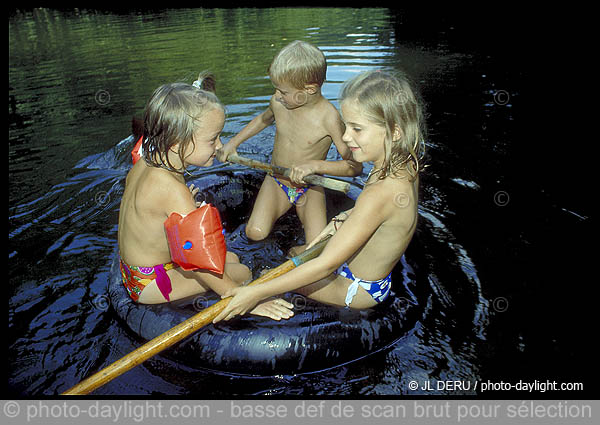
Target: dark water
x=501 y=300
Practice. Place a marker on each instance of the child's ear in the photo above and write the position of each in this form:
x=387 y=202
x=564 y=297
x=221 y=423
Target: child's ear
x=397 y=133
x=311 y=88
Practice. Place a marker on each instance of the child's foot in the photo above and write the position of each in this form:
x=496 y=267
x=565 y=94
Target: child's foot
x=275 y=309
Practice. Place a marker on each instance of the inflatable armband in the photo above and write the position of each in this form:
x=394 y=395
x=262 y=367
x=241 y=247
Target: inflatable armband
x=196 y=241
x=136 y=152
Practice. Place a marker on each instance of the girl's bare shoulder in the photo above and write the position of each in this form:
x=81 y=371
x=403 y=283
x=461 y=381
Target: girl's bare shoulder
x=395 y=197
x=374 y=198
x=159 y=189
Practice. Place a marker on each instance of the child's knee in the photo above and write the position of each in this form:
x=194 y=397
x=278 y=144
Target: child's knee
x=232 y=257
x=245 y=274
x=248 y=276
x=255 y=233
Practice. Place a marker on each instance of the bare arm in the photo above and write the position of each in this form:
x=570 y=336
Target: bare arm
x=181 y=199
x=366 y=217
x=346 y=167
x=341 y=168
x=335 y=223
x=258 y=124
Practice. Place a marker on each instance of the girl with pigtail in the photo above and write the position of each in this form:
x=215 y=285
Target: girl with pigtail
x=159 y=261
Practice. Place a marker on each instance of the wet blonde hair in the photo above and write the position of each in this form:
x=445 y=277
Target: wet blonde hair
x=393 y=103
x=299 y=63
x=171 y=116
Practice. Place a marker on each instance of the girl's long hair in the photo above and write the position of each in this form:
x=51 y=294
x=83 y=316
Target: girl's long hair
x=393 y=103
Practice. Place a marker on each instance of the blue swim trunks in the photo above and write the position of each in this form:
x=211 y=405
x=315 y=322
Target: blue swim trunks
x=378 y=289
x=293 y=193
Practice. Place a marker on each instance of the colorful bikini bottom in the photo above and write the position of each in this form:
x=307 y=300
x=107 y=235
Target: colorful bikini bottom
x=293 y=193
x=135 y=279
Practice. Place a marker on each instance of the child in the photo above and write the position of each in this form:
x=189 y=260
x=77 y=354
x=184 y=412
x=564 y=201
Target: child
x=182 y=126
x=384 y=125
x=306 y=125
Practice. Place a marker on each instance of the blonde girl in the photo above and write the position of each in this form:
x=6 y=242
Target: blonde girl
x=182 y=127
x=385 y=126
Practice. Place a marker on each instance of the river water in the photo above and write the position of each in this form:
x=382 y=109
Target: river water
x=497 y=305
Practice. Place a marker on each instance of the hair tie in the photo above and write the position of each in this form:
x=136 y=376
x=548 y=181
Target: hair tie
x=197 y=84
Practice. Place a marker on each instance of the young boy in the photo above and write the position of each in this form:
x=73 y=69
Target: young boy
x=306 y=125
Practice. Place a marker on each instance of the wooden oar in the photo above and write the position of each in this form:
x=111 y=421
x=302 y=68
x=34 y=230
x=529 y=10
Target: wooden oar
x=182 y=330
x=326 y=182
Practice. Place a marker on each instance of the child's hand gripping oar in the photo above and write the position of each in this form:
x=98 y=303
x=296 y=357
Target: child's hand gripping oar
x=313 y=179
x=182 y=330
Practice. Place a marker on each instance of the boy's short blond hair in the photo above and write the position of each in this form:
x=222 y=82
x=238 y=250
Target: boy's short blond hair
x=299 y=63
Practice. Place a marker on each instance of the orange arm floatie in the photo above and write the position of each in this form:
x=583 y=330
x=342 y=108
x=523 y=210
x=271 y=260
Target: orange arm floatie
x=136 y=152
x=196 y=241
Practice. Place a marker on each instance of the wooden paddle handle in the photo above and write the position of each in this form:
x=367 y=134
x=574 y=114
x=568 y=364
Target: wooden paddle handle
x=327 y=182
x=184 y=329
x=148 y=350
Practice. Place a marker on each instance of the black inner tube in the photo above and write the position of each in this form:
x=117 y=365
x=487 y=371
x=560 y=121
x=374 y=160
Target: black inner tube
x=317 y=337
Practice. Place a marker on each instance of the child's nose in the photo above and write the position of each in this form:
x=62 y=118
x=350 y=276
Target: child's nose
x=346 y=137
